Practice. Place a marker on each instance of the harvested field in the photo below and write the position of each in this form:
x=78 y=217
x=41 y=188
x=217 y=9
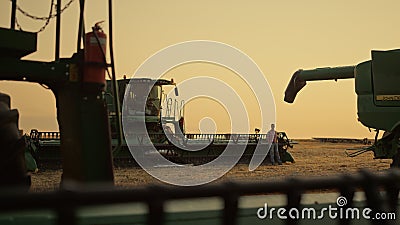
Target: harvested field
x=312 y=159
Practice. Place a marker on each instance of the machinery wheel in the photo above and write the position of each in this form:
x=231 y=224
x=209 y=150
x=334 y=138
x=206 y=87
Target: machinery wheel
x=12 y=156
x=396 y=161
x=396 y=158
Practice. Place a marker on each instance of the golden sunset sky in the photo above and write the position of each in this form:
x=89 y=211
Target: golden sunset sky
x=280 y=36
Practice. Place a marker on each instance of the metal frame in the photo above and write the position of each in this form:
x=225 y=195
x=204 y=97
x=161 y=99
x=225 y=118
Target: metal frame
x=82 y=134
x=66 y=201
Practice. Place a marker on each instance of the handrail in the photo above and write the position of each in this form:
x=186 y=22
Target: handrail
x=74 y=196
x=13 y=14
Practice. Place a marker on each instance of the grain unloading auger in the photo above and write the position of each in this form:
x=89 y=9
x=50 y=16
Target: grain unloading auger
x=377 y=84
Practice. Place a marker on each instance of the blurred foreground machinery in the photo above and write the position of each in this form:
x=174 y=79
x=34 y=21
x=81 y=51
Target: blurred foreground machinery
x=12 y=166
x=358 y=199
x=377 y=84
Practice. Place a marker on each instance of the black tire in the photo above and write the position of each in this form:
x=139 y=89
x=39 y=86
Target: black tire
x=395 y=161
x=396 y=158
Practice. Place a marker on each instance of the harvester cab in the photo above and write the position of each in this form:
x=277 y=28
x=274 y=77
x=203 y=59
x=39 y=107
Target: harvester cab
x=139 y=104
x=378 y=96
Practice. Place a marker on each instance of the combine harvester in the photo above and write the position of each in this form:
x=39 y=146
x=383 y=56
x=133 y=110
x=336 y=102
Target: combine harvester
x=87 y=195
x=364 y=141
x=378 y=97
x=165 y=128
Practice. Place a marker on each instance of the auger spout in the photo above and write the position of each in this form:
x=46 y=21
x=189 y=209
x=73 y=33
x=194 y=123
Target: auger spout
x=300 y=77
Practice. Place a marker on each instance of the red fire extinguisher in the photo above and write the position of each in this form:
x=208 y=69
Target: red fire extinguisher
x=95 y=50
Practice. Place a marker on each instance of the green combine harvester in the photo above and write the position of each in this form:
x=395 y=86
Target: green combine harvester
x=165 y=128
x=378 y=97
